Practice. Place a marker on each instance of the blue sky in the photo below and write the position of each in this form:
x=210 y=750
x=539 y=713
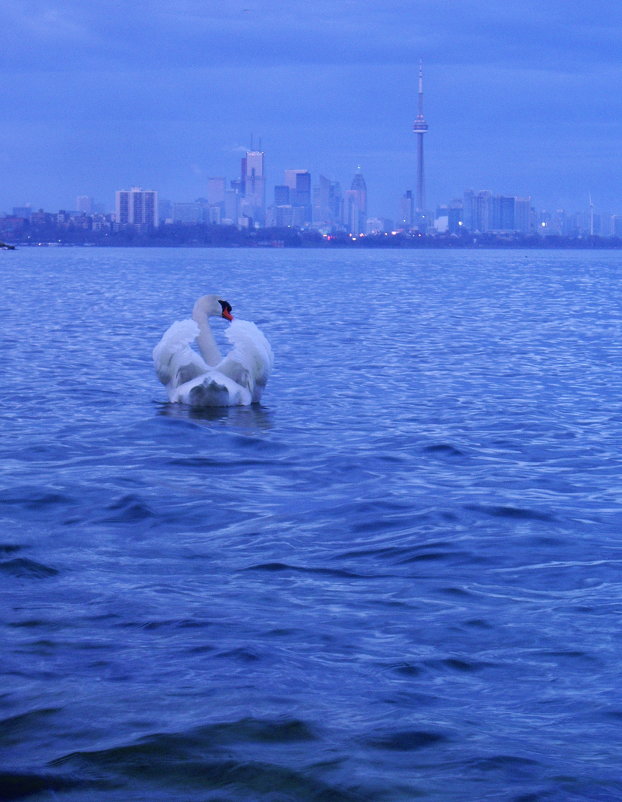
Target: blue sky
x=521 y=98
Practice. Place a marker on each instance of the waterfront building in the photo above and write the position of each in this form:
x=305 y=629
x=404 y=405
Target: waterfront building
x=523 y=215
x=503 y=208
x=441 y=219
x=469 y=210
x=455 y=221
x=214 y=214
x=483 y=211
x=136 y=207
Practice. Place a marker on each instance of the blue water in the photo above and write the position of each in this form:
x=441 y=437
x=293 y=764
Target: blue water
x=397 y=578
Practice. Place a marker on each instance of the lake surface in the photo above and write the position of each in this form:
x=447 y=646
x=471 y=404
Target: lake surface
x=397 y=578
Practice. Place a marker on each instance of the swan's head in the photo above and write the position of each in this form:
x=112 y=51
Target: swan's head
x=212 y=306
x=226 y=309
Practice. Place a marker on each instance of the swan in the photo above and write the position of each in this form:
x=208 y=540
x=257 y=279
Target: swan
x=206 y=379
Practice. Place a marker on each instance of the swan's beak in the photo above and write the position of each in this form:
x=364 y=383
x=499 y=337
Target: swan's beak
x=226 y=310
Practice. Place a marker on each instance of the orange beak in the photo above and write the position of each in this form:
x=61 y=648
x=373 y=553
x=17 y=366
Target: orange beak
x=226 y=310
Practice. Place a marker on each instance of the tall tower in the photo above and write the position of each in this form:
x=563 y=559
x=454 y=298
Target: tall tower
x=420 y=126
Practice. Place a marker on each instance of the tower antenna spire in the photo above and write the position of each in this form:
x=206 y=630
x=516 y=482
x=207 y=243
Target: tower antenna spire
x=420 y=127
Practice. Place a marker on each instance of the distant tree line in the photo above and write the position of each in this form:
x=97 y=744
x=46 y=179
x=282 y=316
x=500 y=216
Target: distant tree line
x=211 y=235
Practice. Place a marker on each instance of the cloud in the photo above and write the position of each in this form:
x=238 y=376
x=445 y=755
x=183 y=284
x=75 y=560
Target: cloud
x=52 y=36
x=152 y=86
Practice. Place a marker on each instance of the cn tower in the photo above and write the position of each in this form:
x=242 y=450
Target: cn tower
x=420 y=126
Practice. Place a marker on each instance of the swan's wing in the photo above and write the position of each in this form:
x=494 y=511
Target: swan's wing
x=174 y=360
x=250 y=360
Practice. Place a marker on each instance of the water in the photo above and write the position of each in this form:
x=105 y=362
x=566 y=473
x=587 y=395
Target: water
x=397 y=578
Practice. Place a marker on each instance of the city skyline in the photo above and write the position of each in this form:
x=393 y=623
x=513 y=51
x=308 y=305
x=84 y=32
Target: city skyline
x=521 y=100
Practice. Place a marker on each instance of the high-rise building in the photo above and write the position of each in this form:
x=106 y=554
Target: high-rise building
x=231 y=207
x=523 y=216
x=216 y=188
x=455 y=216
x=359 y=188
x=281 y=195
x=335 y=203
x=253 y=186
x=407 y=210
x=136 y=207
x=503 y=213
x=290 y=177
x=355 y=206
x=327 y=204
x=299 y=183
x=483 y=211
x=351 y=213
x=469 y=210
x=441 y=219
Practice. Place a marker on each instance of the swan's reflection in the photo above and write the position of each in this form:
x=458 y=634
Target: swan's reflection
x=249 y=418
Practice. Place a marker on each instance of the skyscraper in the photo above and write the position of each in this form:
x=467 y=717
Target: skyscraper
x=299 y=183
x=484 y=213
x=406 y=209
x=359 y=189
x=253 y=186
x=522 y=219
x=327 y=203
x=503 y=213
x=420 y=127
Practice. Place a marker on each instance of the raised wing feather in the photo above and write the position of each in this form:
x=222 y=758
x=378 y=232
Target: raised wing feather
x=250 y=361
x=175 y=361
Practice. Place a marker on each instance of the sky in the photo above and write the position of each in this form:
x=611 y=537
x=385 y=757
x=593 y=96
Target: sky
x=521 y=98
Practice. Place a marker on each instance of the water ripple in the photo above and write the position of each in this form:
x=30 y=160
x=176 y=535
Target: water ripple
x=397 y=578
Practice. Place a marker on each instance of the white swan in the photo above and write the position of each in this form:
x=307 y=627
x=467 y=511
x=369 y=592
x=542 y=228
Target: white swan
x=208 y=380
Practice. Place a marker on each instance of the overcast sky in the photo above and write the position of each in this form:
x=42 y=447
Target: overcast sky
x=522 y=98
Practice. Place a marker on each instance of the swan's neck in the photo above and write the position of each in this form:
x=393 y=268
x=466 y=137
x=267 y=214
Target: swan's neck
x=205 y=340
